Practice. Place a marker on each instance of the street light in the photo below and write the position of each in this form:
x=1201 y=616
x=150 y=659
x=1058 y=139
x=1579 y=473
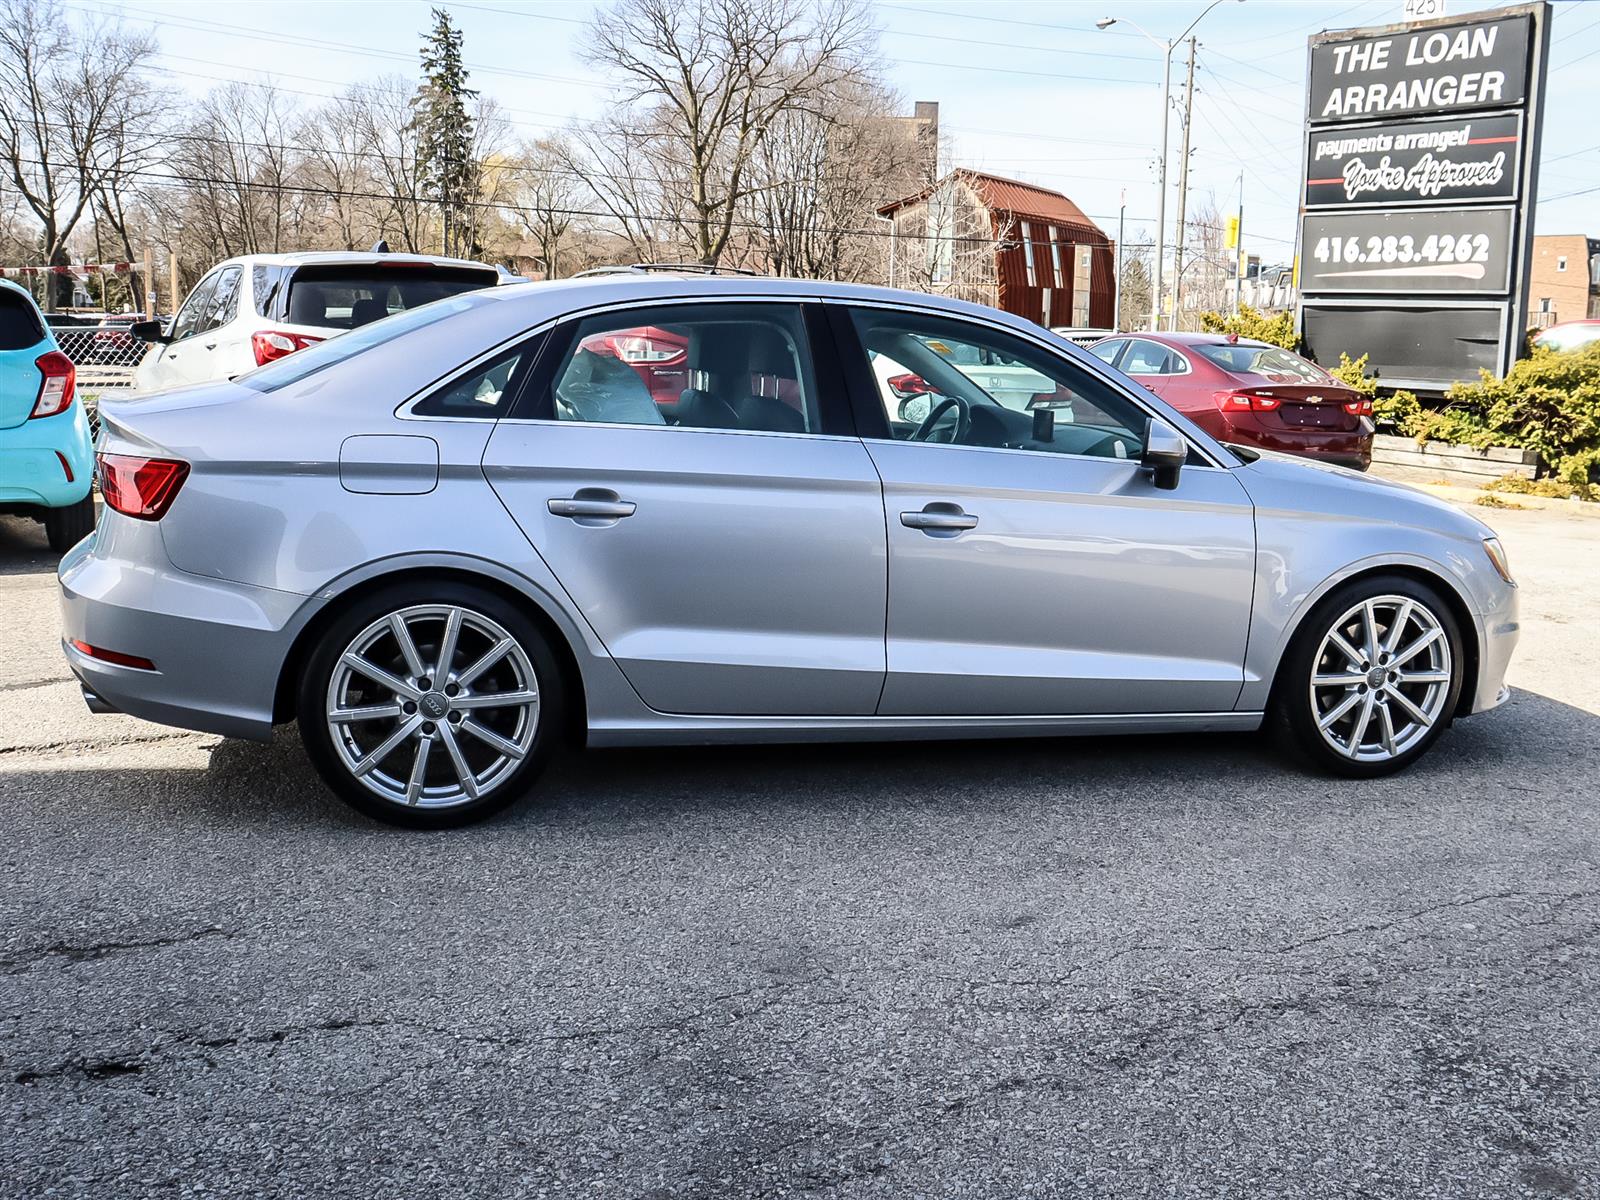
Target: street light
x=1166 y=48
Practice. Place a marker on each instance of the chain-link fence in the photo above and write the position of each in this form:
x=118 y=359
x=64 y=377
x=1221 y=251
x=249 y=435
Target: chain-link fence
x=105 y=356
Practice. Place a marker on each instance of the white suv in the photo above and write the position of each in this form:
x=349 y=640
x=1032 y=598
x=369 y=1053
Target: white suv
x=250 y=310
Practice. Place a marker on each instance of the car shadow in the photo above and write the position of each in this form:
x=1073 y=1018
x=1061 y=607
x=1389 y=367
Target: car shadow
x=23 y=547
x=1535 y=746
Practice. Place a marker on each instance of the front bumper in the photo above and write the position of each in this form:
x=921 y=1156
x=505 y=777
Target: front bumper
x=218 y=648
x=1499 y=629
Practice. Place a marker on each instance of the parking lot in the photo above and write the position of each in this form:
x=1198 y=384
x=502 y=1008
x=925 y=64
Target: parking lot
x=1170 y=966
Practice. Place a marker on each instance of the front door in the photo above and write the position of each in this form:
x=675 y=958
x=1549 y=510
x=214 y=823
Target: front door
x=726 y=543
x=1034 y=568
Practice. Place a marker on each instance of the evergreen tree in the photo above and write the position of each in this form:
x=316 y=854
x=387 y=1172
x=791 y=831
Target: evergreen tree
x=443 y=129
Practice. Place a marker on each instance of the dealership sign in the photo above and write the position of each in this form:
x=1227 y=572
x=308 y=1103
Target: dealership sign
x=1415 y=162
x=1420 y=170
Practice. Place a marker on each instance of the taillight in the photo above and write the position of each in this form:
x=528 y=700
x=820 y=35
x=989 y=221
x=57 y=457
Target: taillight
x=269 y=344
x=1359 y=408
x=59 y=379
x=633 y=349
x=910 y=385
x=140 y=487
x=1246 y=402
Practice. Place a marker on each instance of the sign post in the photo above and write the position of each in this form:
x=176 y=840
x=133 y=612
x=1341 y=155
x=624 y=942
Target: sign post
x=1417 y=198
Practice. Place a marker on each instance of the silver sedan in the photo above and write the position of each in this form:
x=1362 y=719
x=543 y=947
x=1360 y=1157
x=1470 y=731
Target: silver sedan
x=675 y=509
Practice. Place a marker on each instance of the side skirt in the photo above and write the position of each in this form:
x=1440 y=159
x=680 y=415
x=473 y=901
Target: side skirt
x=666 y=730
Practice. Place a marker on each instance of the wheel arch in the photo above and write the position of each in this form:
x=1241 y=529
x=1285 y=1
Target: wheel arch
x=524 y=597
x=1436 y=579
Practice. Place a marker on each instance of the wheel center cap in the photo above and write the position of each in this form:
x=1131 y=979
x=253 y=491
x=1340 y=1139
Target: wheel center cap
x=1376 y=677
x=434 y=704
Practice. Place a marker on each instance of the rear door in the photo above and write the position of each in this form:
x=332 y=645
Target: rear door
x=728 y=549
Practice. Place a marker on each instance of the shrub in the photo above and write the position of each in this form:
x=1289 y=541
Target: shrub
x=1249 y=323
x=1549 y=403
x=1402 y=411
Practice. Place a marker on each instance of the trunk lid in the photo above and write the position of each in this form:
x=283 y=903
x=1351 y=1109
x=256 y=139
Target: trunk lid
x=1306 y=406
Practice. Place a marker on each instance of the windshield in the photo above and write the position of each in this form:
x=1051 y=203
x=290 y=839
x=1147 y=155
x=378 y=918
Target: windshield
x=335 y=350
x=349 y=297
x=1281 y=365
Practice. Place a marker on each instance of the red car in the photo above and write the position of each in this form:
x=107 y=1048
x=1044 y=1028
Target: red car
x=659 y=356
x=1250 y=393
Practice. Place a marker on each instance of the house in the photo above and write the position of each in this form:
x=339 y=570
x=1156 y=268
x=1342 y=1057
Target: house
x=1018 y=247
x=1564 y=283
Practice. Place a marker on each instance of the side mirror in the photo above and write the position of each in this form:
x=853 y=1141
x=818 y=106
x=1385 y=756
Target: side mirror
x=1165 y=452
x=149 y=331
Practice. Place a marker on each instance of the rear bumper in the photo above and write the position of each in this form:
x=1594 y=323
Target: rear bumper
x=218 y=648
x=1345 y=448
x=47 y=461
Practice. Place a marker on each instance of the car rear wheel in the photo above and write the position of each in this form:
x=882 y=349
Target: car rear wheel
x=1372 y=678
x=65 y=527
x=430 y=705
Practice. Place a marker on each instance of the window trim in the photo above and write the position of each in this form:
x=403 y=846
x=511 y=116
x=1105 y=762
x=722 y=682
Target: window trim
x=874 y=422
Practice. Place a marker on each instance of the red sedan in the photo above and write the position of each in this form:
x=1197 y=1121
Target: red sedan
x=1250 y=393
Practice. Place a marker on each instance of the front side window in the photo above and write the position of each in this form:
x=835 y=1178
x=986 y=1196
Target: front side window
x=187 y=322
x=741 y=367
x=947 y=381
x=224 y=302
x=1108 y=351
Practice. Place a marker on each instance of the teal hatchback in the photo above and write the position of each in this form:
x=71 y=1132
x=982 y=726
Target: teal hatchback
x=46 y=455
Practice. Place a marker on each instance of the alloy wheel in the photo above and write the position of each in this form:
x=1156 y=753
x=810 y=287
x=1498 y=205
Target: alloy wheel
x=432 y=706
x=1380 y=678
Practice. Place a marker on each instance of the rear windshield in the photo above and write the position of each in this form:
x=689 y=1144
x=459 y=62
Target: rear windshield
x=19 y=322
x=349 y=297
x=335 y=350
x=1281 y=365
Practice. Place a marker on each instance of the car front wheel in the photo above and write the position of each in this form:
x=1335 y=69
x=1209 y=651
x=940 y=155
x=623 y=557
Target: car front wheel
x=431 y=705
x=1373 y=677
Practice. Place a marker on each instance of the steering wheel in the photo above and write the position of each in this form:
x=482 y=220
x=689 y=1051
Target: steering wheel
x=963 y=409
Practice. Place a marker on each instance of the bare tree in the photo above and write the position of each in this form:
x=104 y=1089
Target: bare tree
x=382 y=111
x=705 y=80
x=946 y=243
x=75 y=114
x=545 y=199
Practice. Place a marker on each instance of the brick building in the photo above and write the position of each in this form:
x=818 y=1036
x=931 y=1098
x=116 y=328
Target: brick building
x=1021 y=248
x=1565 y=280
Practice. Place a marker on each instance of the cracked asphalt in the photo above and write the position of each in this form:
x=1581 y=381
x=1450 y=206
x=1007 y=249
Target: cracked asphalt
x=1157 y=967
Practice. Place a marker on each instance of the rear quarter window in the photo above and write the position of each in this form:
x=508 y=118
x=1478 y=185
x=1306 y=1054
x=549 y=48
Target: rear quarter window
x=20 y=326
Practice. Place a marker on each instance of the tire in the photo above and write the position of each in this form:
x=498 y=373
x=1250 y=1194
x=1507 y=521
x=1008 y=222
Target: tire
x=1348 y=715
x=479 y=757
x=65 y=527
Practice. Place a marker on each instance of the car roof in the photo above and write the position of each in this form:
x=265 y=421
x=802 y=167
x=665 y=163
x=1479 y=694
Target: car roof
x=1193 y=338
x=19 y=289
x=312 y=258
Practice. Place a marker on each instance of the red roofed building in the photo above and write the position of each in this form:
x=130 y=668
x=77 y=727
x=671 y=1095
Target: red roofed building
x=1021 y=248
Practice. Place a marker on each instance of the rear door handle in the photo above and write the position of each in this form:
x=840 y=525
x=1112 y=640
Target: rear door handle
x=939 y=520
x=593 y=506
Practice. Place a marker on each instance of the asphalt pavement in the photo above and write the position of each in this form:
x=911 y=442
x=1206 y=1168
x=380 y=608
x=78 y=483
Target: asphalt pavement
x=1102 y=967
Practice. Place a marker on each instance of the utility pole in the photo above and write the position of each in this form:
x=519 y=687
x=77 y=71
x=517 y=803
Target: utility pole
x=1183 y=193
x=1161 y=191
x=1239 y=257
x=1116 y=291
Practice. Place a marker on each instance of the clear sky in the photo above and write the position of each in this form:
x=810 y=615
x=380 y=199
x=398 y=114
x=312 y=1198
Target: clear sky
x=1026 y=88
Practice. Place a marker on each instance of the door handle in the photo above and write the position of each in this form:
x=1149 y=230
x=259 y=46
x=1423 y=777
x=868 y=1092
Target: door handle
x=593 y=506
x=939 y=520
x=211 y=345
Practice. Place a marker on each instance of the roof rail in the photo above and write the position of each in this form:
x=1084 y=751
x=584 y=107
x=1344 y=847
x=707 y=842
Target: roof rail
x=684 y=268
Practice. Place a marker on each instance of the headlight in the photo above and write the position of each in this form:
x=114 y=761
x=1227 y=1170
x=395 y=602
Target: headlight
x=1497 y=556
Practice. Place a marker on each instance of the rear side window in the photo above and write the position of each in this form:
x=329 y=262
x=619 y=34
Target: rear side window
x=486 y=391
x=20 y=326
x=335 y=350
x=349 y=297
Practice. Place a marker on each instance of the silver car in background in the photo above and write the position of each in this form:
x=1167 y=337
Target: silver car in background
x=675 y=509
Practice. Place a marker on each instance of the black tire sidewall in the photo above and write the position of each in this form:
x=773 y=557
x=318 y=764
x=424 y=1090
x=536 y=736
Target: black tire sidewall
x=319 y=666
x=1291 y=703
x=65 y=527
